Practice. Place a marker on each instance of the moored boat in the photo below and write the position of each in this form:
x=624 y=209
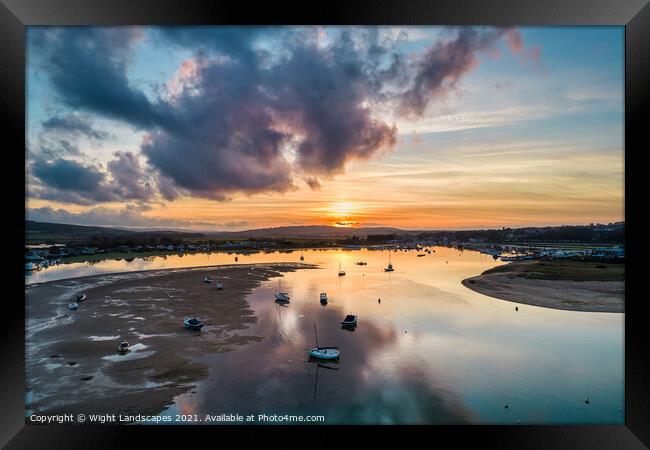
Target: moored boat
x=81 y=297
x=324 y=353
x=72 y=306
x=350 y=320
x=323 y=297
x=281 y=296
x=390 y=266
x=219 y=285
x=193 y=323
x=123 y=347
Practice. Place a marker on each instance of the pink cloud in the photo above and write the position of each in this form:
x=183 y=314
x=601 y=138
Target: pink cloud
x=514 y=40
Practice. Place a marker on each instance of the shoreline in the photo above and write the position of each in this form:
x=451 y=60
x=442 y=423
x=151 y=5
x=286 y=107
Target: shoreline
x=72 y=364
x=524 y=283
x=166 y=269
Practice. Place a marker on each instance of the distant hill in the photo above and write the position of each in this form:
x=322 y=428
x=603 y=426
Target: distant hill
x=45 y=232
x=310 y=231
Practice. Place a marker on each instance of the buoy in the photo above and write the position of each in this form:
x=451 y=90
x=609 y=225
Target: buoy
x=587 y=401
x=378 y=300
x=506 y=406
x=516 y=308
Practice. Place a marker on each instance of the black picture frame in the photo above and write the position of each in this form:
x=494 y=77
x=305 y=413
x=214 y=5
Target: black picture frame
x=15 y=15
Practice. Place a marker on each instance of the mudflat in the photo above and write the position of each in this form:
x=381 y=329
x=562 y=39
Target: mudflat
x=559 y=284
x=72 y=361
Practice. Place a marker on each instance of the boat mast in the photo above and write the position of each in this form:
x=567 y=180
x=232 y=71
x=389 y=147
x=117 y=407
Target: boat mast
x=317 y=346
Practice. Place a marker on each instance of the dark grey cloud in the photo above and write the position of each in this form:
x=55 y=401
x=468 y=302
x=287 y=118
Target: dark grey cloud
x=58 y=148
x=242 y=119
x=88 y=69
x=66 y=180
x=68 y=175
x=74 y=125
x=129 y=180
x=313 y=101
x=234 y=41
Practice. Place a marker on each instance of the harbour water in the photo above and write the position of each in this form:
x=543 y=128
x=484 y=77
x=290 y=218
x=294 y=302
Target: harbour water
x=431 y=351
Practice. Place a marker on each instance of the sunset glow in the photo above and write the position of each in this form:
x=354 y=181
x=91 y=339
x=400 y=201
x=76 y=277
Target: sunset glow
x=525 y=129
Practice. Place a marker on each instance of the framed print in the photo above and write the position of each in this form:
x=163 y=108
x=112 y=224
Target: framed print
x=365 y=216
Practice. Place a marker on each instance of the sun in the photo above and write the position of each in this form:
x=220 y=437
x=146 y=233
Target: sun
x=344 y=213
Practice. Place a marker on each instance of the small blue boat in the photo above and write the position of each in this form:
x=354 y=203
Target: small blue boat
x=72 y=306
x=327 y=353
x=193 y=324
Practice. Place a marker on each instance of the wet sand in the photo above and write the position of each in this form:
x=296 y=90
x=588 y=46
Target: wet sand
x=72 y=362
x=570 y=290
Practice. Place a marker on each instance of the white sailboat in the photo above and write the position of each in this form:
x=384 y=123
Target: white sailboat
x=327 y=353
x=390 y=266
x=281 y=296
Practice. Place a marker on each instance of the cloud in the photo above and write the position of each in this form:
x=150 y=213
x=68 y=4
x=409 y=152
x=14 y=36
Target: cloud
x=129 y=180
x=239 y=117
x=74 y=125
x=313 y=183
x=67 y=180
x=87 y=66
x=514 y=40
x=243 y=119
x=132 y=216
x=441 y=67
x=57 y=149
x=67 y=175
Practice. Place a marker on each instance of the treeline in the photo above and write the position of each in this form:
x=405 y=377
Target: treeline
x=601 y=234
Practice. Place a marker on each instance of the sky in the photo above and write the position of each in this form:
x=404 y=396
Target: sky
x=231 y=128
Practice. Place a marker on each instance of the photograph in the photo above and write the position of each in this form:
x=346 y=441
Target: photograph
x=325 y=225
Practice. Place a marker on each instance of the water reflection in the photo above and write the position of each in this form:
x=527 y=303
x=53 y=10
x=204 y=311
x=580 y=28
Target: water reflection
x=431 y=351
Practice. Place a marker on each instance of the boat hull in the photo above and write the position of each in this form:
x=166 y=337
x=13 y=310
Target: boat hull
x=324 y=354
x=190 y=325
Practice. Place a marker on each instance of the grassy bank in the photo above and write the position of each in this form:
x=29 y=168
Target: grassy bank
x=114 y=255
x=563 y=269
